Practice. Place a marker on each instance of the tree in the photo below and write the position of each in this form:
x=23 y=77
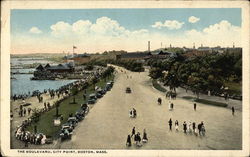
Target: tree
x=172 y=81
x=74 y=91
x=94 y=81
x=89 y=67
x=155 y=73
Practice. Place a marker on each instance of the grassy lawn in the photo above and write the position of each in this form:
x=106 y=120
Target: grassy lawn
x=45 y=124
x=234 y=88
x=206 y=102
x=157 y=86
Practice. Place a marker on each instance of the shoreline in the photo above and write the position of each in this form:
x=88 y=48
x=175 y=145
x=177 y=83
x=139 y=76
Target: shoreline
x=17 y=120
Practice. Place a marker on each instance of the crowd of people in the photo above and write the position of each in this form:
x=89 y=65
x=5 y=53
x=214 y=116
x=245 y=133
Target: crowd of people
x=28 y=137
x=136 y=137
x=33 y=115
x=190 y=127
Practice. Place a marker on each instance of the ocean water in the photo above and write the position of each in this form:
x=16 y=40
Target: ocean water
x=23 y=85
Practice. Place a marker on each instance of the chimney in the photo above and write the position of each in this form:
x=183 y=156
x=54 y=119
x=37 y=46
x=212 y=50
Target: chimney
x=148 y=46
x=193 y=45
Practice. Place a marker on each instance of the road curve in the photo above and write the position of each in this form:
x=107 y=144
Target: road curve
x=108 y=123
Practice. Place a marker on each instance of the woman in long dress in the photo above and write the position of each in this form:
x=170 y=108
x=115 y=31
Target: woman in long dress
x=128 y=143
x=190 y=127
x=176 y=125
x=185 y=127
x=145 y=138
x=169 y=105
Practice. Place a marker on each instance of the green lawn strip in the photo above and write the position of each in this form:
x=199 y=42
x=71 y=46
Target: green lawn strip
x=45 y=124
x=234 y=88
x=206 y=102
x=158 y=86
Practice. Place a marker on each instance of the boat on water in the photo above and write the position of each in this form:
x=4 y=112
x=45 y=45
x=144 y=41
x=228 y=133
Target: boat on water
x=12 y=78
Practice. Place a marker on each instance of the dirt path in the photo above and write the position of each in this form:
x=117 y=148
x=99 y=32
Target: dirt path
x=108 y=123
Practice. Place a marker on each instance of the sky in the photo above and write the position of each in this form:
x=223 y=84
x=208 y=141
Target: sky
x=98 y=30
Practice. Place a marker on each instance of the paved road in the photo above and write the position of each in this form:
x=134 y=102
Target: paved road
x=108 y=124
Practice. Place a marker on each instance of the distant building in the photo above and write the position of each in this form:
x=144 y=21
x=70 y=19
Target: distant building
x=50 y=72
x=78 y=58
x=195 y=52
x=159 y=54
x=134 y=56
x=60 y=68
x=204 y=49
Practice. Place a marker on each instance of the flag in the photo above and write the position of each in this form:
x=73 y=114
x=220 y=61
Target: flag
x=74 y=47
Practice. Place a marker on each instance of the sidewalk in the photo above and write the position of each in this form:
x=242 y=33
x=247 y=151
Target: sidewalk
x=231 y=102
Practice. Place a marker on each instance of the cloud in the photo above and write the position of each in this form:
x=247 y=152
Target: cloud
x=35 y=30
x=157 y=25
x=168 y=24
x=60 y=28
x=107 y=34
x=217 y=34
x=103 y=27
x=81 y=26
x=193 y=19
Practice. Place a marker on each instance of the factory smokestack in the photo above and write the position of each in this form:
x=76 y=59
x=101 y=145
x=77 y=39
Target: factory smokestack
x=148 y=46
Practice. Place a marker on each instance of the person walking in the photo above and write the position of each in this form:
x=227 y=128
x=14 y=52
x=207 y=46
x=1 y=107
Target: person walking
x=24 y=111
x=144 y=138
x=133 y=132
x=193 y=126
x=199 y=128
x=138 y=140
x=176 y=125
x=233 y=110
x=195 y=106
x=128 y=143
x=131 y=113
x=159 y=101
x=170 y=124
x=190 y=127
x=45 y=106
x=185 y=127
x=134 y=113
x=172 y=106
x=29 y=110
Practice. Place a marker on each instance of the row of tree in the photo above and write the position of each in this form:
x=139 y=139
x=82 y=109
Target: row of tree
x=200 y=74
x=131 y=65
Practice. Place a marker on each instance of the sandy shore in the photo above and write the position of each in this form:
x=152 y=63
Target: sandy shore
x=17 y=120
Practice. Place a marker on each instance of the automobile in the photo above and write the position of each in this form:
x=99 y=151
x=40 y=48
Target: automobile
x=92 y=99
x=101 y=91
x=79 y=116
x=72 y=121
x=128 y=90
x=98 y=95
x=66 y=132
x=67 y=126
x=92 y=96
x=107 y=88
x=112 y=82
x=109 y=84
